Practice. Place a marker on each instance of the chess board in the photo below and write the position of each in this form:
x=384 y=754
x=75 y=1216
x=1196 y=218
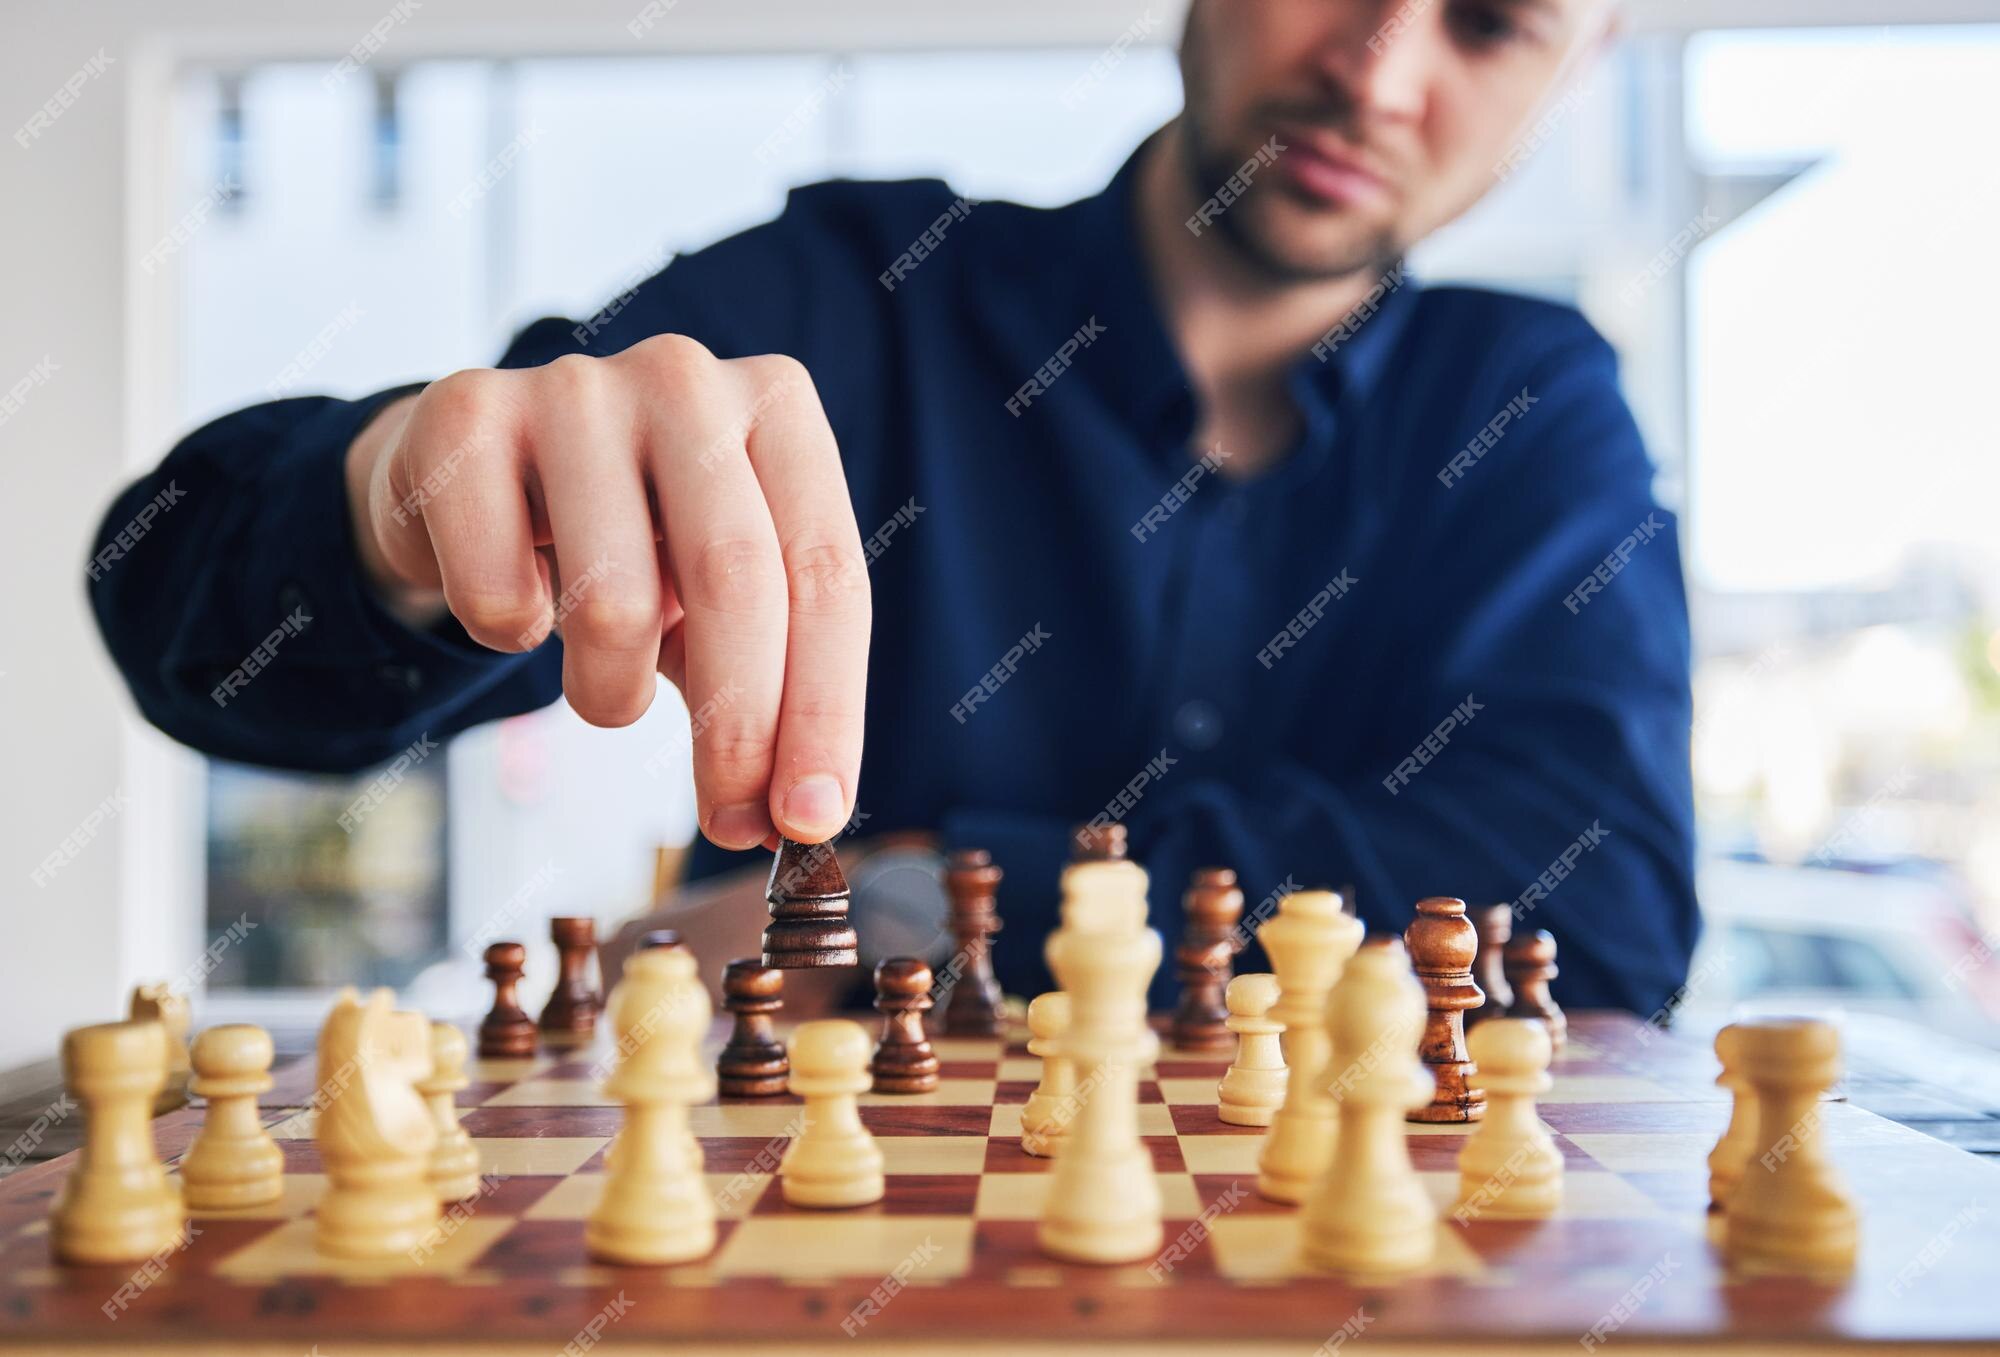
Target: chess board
x=949 y=1259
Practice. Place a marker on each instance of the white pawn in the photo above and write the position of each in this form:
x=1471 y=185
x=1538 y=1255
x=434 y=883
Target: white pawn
x=454 y=1168
x=375 y=1135
x=1510 y=1169
x=1309 y=940
x=1793 y=1217
x=1045 y=1116
x=1369 y=1216
x=117 y=1205
x=1253 y=1089
x=233 y=1161
x=834 y=1162
x=1732 y=1151
x=656 y=1206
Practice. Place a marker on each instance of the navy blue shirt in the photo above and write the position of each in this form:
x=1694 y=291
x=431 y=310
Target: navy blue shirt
x=1440 y=647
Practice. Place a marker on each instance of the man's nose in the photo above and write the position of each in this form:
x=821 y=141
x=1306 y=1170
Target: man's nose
x=1384 y=58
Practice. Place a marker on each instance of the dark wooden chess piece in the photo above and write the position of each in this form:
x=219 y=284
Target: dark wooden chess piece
x=1531 y=964
x=1442 y=942
x=904 y=1061
x=507 y=1030
x=973 y=1005
x=753 y=1063
x=808 y=899
x=570 y=1016
x=1204 y=958
x=1098 y=843
x=1495 y=924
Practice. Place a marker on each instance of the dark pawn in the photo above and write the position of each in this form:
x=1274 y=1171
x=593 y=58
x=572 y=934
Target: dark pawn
x=1531 y=964
x=1495 y=924
x=1442 y=942
x=507 y=1030
x=1098 y=843
x=808 y=899
x=974 y=1006
x=1203 y=960
x=904 y=1061
x=571 y=1012
x=753 y=1064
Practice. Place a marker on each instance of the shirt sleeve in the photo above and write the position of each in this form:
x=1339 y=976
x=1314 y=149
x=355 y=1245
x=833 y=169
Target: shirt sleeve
x=1541 y=756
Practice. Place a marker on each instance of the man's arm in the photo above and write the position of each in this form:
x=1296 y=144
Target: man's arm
x=336 y=580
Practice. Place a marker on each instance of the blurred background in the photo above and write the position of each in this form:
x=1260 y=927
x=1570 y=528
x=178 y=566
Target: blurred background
x=1781 y=213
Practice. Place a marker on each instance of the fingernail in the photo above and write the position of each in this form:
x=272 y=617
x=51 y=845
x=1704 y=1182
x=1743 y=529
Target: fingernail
x=740 y=826
x=814 y=807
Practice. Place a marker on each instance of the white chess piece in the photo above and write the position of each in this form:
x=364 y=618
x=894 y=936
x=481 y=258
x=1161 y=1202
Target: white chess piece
x=117 y=1205
x=454 y=1168
x=1103 y=1203
x=834 y=1162
x=1732 y=1151
x=1253 y=1089
x=1309 y=940
x=1510 y=1168
x=656 y=1206
x=1790 y=1214
x=1369 y=1215
x=1045 y=1116
x=233 y=1162
x=160 y=1003
x=375 y=1134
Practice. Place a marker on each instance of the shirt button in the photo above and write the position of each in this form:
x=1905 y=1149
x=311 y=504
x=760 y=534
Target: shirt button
x=1198 y=724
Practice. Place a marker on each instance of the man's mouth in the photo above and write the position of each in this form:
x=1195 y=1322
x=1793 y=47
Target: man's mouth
x=1325 y=169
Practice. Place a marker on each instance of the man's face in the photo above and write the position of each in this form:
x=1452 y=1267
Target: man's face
x=1393 y=114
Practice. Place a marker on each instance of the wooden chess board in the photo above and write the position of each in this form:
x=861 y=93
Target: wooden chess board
x=948 y=1259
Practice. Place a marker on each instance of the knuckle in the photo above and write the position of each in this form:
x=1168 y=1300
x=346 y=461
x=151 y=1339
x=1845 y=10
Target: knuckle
x=737 y=575
x=742 y=746
x=621 y=615
x=827 y=578
x=496 y=611
x=572 y=378
x=673 y=357
x=462 y=400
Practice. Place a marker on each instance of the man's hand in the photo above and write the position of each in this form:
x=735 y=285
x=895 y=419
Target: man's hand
x=664 y=510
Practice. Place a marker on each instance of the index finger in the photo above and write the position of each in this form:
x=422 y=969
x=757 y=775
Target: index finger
x=821 y=716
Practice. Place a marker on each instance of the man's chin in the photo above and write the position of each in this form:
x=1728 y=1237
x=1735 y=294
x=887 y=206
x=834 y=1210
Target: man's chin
x=1303 y=248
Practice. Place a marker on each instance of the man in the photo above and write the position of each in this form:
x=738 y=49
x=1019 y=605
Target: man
x=1184 y=507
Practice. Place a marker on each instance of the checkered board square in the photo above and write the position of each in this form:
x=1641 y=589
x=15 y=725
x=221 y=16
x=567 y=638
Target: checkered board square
x=949 y=1254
